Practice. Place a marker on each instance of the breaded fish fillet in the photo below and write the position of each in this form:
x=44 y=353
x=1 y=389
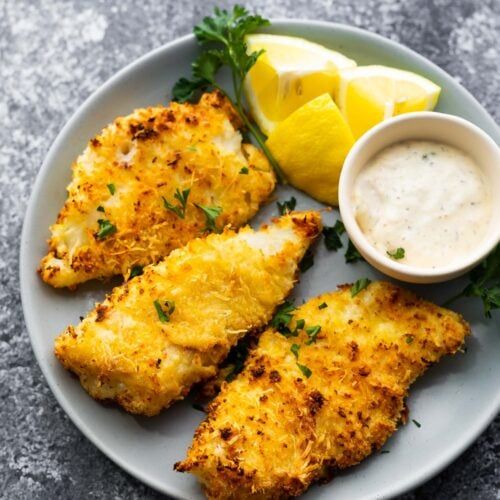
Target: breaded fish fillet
x=115 y=216
x=160 y=333
x=273 y=431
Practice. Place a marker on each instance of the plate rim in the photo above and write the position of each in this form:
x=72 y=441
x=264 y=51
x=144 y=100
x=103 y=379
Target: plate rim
x=432 y=469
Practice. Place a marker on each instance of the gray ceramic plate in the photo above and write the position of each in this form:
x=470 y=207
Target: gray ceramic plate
x=454 y=402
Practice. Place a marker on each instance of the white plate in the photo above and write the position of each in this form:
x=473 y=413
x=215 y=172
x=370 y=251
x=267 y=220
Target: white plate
x=454 y=402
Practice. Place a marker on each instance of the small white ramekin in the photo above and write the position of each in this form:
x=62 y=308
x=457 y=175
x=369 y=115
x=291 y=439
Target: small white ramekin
x=437 y=127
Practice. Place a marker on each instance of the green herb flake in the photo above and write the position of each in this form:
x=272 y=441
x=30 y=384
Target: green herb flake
x=164 y=312
x=192 y=148
x=382 y=452
x=485 y=283
x=312 y=332
x=307 y=261
x=418 y=424
x=222 y=41
x=299 y=324
x=409 y=338
x=360 y=284
x=105 y=229
x=323 y=305
x=397 y=254
x=332 y=236
x=244 y=171
x=282 y=318
x=305 y=370
x=287 y=206
x=112 y=189
x=135 y=271
x=211 y=214
x=182 y=198
x=352 y=255
x=100 y=208
x=295 y=348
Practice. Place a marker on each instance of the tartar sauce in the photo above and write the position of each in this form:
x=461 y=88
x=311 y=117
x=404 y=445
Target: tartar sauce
x=427 y=198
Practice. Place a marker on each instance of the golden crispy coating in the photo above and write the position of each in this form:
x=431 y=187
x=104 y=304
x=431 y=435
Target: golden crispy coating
x=222 y=287
x=125 y=172
x=272 y=431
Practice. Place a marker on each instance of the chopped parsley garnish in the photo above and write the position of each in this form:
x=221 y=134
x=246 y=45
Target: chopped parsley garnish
x=361 y=284
x=192 y=148
x=397 y=254
x=135 y=271
x=287 y=206
x=100 y=208
x=112 y=189
x=352 y=254
x=211 y=214
x=282 y=318
x=295 y=348
x=181 y=197
x=244 y=170
x=105 y=229
x=299 y=324
x=323 y=305
x=164 y=312
x=418 y=424
x=409 y=338
x=332 y=235
x=485 y=283
x=307 y=261
x=312 y=332
x=236 y=357
x=305 y=370
x=222 y=40
x=382 y=452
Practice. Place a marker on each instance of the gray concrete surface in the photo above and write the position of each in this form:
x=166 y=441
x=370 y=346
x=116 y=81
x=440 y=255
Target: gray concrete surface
x=53 y=54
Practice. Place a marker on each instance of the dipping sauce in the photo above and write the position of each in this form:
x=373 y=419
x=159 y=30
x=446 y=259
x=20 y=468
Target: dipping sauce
x=428 y=198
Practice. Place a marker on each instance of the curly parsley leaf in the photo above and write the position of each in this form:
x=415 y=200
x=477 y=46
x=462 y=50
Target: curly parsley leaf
x=332 y=235
x=105 y=229
x=287 y=205
x=211 y=214
x=135 y=271
x=181 y=197
x=282 y=317
x=305 y=370
x=307 y=261
x=485 y=283
x=352 y=254
x=361 y=284
x=312 y=332
x=164 y=312
x=397 y=254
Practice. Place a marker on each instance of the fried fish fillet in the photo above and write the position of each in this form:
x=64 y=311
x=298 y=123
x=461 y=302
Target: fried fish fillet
x=115 y=216
x=273 y=431
x=160 y=333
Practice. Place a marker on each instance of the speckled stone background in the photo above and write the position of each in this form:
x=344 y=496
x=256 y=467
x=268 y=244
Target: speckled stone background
x=53 y=54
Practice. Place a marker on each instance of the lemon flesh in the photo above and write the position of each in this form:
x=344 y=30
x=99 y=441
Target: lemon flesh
x=310 y=146
x=290 y=72
x=367 y=95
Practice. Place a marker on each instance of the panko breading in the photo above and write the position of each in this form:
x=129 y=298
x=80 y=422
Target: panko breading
x=126 y=172
x=160 y=333
x=272 y=431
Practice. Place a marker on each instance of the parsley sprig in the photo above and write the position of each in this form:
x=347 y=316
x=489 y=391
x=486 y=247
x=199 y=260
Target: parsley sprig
x=106 y=228
x=485 y=283
x=333 y=242
x=181 y=197
x=164 y=311
x=222 y=38
x=211 y=214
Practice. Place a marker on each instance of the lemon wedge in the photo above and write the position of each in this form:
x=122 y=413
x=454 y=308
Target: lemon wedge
x=310 y=146
x=290 y=72
x=367 y=95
